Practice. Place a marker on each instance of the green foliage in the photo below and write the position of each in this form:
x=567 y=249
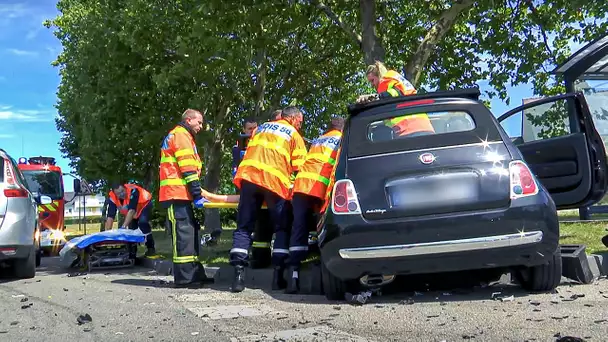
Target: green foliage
x=129 y=68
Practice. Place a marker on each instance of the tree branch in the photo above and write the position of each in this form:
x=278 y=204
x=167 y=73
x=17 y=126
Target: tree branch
x=443 y=25
x=542 y=30
x=338 y=21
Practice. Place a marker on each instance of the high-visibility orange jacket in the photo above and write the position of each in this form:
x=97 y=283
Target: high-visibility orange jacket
x=123 y=205
x=408 y=124
x=313 y=177
x=180 y=167
x=274 y=152
x=330 y=186
x=392 y=84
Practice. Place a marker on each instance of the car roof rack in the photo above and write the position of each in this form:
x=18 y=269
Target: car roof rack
x=470 y=93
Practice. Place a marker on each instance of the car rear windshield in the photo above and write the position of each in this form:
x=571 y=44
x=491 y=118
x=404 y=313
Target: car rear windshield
x=417 y=124
x=391 y=128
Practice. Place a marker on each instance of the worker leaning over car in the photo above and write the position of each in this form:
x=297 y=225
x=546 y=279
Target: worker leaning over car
x=180 y=171
x=275 y=151
x=389 y=83
x=309 y=192
x=134 y=204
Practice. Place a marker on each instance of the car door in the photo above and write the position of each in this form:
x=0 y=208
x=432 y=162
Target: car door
x=558 y=139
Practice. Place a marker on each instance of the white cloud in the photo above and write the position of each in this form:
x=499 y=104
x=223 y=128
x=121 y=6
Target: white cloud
x=19 y=52
x=12 y=10
x=27 y=115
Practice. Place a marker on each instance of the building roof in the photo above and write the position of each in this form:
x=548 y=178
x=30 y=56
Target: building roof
x=589 y=63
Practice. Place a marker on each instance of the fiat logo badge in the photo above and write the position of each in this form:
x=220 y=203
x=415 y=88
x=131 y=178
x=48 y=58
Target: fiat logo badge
x=427 y=158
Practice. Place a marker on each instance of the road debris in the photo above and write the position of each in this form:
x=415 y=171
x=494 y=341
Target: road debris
x=23 y=300
x=18 y=296
x=82 y=319
x=358 y=299
x=569 y=339
x=534 y=302
x=194 y=333
x=408 y=301
x=27 y=306
x=506 y=298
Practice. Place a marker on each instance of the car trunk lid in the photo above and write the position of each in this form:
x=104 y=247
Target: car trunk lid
x=446 y=180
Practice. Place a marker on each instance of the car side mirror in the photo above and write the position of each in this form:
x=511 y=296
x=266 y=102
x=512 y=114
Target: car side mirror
x=77 y=187
x=45 y=200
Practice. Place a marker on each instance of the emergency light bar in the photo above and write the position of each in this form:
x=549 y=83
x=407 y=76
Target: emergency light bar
x=41 y=160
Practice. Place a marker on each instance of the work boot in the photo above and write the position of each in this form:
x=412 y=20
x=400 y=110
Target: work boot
x=278 y=282
x=150 y=252
x=238 y=282
x=293 y=280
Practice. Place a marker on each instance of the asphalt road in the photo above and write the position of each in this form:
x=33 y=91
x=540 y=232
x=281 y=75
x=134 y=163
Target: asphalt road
x=136 y=305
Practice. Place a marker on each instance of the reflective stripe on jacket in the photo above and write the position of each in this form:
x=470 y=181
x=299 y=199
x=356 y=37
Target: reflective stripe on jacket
x=178 y=155
x=313 y=177
x=330 y=186
x=395 y=85
x=274 y=152
x=144 y=199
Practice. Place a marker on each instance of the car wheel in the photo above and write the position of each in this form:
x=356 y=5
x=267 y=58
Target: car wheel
x=544 y=277
x=333 y=287
x=26 y=268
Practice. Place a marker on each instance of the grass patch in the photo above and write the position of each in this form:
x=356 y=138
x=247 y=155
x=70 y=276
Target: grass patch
x=589 y=234
x=213 y=256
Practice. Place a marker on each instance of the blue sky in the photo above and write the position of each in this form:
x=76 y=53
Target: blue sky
x=28 y=82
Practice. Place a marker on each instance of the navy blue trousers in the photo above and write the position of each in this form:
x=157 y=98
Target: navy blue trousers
x=143 y=223
x=252 y=198
x=304 y=221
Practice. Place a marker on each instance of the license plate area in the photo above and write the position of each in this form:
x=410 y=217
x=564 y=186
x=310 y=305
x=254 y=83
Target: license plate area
x=434 y=190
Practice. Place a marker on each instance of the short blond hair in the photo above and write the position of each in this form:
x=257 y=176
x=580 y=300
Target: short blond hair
x=190 y=113
x=376 y=69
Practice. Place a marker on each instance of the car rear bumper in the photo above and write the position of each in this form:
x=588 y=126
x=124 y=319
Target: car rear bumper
x=439 y=247
x=520 y=236
x=11 y=252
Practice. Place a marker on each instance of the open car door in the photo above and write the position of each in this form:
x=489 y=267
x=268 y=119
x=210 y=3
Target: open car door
x=562 y=147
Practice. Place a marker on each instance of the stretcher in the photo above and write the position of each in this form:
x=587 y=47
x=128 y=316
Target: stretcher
x=312 y=236
x=102 y=250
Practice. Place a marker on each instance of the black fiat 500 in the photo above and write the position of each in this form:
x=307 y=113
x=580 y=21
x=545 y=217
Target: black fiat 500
x=464 y=197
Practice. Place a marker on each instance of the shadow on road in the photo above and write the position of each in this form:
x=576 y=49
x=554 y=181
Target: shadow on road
x=434 y=288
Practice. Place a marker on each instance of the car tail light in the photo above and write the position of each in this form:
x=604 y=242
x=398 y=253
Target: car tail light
x=344 y=198
x=523 y=182
x=12 y=189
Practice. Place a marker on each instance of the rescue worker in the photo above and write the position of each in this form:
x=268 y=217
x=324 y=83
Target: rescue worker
x=309 y=193
x=262 y=235
x=180 y=187
x=275 y=151
x=389 y=83
x=238 y=150
x=134 y=204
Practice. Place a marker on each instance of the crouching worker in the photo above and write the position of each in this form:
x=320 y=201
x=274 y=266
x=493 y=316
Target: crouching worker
x=309 y=193
x=134 y=204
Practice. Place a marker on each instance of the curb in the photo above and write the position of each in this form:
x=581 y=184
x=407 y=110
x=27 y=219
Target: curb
x=310 y=275
x=598 y=265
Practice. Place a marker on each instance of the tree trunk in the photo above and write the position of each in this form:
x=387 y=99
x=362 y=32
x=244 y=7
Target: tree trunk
x=442 y=26
x=371 y=45
x=213 y=151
